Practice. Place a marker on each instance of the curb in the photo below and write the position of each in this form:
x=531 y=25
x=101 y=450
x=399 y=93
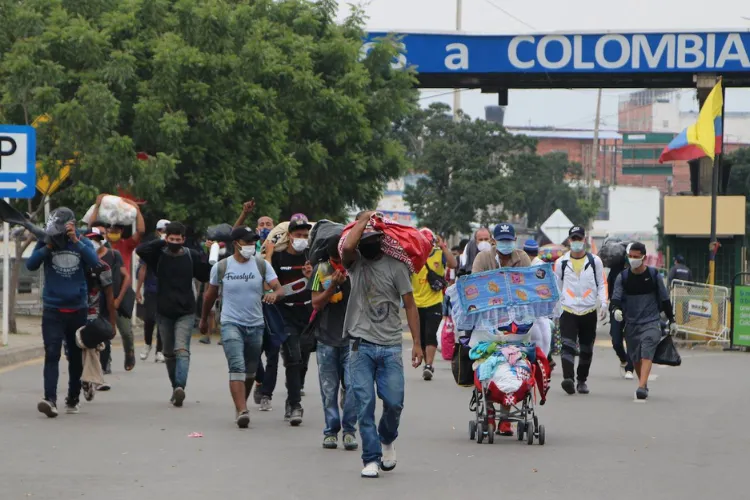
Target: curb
x=19 y=355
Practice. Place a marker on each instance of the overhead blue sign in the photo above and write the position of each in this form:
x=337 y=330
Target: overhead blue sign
x=586 y=53
x=17 y=161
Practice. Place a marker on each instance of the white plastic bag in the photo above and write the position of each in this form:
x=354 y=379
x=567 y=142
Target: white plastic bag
x=114 y=210
x=89 y=214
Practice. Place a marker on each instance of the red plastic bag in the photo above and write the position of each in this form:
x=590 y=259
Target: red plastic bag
x=401 y=242
x=447 y=338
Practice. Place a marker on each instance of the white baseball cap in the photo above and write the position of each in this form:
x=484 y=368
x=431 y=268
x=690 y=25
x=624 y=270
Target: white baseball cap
x=162 y=224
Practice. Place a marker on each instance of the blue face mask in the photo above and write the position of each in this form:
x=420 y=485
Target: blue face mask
x=264 y=234
x=506 y=247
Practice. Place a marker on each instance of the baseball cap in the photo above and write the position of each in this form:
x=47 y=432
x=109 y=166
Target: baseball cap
x=244 y=233
x=427 y=233
x=577 y=231
x=504 y=231
x=530 y=246
x=94 y=232
x=299 y=221
x=162 y=224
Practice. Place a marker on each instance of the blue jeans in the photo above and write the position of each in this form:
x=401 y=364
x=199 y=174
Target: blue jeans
x=617 y=332
x=333 y=367
x=267 y=375
x=242 y=345
x=372 y=365
x=175 y=335
x=56 y=327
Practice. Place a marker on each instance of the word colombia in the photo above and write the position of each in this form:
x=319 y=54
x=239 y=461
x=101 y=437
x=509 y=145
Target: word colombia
x=574 y=53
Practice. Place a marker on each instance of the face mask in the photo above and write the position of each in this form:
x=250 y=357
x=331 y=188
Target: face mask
x=174 y=247
x=577 y=246
x=505 y=247
x=635 y=263
x=114 y=237
x=483 y=246
x=162 y=236
x=299 y=244
x=247 y=252
x=222 y=251
x=370 y=251
x=264 y=234
x=97 y=244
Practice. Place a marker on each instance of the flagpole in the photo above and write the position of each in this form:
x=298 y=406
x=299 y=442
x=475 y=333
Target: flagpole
x=713 y=246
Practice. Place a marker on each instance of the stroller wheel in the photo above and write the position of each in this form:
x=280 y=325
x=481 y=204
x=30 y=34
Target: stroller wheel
x=472 y=430
x=541 y=435
x=530 y=435
x=520 y=430
x=491 y=434
x=480 y=432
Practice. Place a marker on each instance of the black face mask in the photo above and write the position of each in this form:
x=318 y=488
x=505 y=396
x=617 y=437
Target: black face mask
x=174 y=247
x=369 y=250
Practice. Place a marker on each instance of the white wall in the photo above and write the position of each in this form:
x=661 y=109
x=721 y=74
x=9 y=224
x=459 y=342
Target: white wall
x=633 y=214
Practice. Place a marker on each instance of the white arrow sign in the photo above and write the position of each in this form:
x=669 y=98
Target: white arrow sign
x=556 y=227
x=18 y=185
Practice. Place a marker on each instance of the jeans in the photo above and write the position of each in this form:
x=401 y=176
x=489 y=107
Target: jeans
x=333 y=367
x=372 y=365
x=125 y=326
x=175 y=335
x=56 y=327
x=267 y=376
x=291 y=352
x=582 y=329
x=617 y=332
x=242 y=345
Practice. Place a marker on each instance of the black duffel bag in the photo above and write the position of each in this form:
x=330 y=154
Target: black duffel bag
x=461 y=364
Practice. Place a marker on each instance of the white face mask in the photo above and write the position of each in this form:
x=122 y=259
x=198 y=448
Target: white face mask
x=247 y=252
x=222 y=251
x=483 y=246
x=97 y=244
x=577 y=246
x=635 y=263
x=299 y=244
x=162 y=236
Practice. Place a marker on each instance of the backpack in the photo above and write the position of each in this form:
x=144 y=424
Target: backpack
x=654 y=276
x=591 y=263
x=222 y=270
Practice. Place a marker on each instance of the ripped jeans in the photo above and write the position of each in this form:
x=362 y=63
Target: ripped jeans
x=333 y=369
x=175 y=335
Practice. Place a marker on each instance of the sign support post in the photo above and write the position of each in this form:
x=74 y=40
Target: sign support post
x=6 y=279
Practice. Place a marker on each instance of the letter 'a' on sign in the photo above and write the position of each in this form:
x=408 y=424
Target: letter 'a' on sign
x=17 y=161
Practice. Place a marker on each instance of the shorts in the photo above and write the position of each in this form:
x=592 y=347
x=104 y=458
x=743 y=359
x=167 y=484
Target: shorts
x=429 y=322
x=642 y=340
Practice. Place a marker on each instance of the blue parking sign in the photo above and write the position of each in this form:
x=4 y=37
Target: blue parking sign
x=17 y=161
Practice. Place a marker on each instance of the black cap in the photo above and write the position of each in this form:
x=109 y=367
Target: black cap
x=244 y=233
x=577 y=231
x=299 y=221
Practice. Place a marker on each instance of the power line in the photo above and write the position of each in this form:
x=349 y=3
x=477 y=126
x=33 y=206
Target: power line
x=510 y=15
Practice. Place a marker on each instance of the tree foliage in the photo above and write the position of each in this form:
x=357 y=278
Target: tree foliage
x=476 y=171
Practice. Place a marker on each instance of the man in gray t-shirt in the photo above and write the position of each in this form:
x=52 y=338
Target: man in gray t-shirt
x=378 y=285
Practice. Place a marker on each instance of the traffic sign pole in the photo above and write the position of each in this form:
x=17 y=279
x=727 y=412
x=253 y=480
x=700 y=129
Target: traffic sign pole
x=6 y=279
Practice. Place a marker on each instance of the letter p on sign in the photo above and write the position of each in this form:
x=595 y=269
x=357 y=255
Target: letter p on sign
x=8 y=147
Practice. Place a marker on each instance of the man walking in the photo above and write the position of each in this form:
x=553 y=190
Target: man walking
x=65 y=300
x=176 y=266
x=378 y=285
x=679 y=271
x=580 y=276
x=239 y=280
x=639 y=299
x=617 y=328
x=531 y=247
x=146 y=294
x=331 y=289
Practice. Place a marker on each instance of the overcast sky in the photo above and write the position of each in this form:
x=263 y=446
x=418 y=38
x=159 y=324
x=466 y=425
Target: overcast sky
x=560 y=108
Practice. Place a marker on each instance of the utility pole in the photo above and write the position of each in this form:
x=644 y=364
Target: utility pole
x=595 y=146
x=457 y=92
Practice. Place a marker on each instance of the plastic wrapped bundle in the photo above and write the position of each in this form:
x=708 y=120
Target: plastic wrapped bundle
x=113 y=210
x=219 y=232
x=613 y=252
x=320 y=236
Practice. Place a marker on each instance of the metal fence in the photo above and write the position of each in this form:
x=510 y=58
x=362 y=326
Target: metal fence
x=701 y=311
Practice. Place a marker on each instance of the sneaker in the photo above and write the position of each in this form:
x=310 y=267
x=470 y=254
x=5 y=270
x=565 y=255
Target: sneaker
x=243 y=419
x=371 y=471
x=629 y=376
x=641 y=393
x=582 y=388
x=295 y=418
x=159 y=358
x=47 y=407
x=350 y=442
x=72 y=407
x=178 y=396
x=505 y=429
x=88 y=391
x=569 y=386
x=108 y=369
x=257 y=396
x=302 y=392
x=287 y=412
x=265 y=404
x=129 y=361
x=330 y=442
x=104 y=387
x=428 y=372
x=145 y=352
x=388 y=462
x=622 y=369
x=220 y=342
x=205 y=340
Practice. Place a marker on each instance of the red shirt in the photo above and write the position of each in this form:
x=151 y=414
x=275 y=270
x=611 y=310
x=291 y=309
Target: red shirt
x=126 y=247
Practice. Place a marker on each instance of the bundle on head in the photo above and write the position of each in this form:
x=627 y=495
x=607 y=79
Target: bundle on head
x=321 y=236
x=613 y=252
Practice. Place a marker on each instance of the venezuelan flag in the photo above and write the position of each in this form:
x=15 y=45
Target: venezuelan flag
x=704 y=137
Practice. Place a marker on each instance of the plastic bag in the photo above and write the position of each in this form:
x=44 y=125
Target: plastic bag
x=114 y=210
x=320 y=235
x=279 y=236
x=447 y=338
x=666 y=353
x=613 y=252
x=219 y=232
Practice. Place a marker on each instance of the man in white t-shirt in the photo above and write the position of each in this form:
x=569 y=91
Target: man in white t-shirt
x=239 y=280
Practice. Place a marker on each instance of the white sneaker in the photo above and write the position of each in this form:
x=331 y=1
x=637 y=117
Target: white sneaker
x=145 y=352
x=628 y=375
x=371 y=471
x=622 y=369
x=159 y=358
x=389 y=457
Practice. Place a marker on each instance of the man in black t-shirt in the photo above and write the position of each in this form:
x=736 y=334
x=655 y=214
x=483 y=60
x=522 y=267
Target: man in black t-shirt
x=294 y=271
x=617 y=328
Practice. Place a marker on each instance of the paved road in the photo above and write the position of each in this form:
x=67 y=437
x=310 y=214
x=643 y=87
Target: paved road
x=690 y=441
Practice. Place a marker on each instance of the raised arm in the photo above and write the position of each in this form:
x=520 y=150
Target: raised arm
x=41 y=251
x=247 y=209
x=349 y=251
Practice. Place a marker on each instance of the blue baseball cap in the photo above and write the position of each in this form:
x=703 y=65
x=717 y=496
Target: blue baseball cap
x=530 y=246
x=504 y=231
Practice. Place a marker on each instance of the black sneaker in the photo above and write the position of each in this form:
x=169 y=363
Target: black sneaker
x=569 y=386
x=257 y=396
x=129 y=361
x=641 y=393
x=295 y=418
x=88 y=391
x=582 y=388
x=287 y=412
x=428 y=372
x=48 y=408
x=205 y=340
x=243 y=419
x=178 y=396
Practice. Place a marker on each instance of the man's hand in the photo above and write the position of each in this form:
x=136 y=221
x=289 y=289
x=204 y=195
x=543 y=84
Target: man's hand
x=416 y=356
x=307 y=270
x=139 y=297
x=270 y=298
x=603 y=312
x=618 y=315
x=367 y=215
x=338 y=278
x=118 y=301
x=441 y=242
x=248 y=207
x=672 y=328
x=70 y=228
x=203 y=326
x=114 y=330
